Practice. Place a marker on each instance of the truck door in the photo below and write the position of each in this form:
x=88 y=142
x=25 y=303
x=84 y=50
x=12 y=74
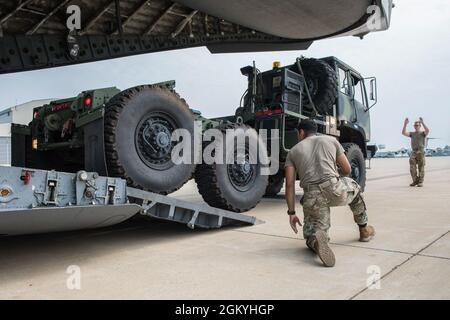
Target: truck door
x=360 y=103
x=346 y=110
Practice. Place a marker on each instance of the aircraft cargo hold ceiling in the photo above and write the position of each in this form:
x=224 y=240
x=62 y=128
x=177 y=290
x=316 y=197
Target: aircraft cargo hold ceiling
x=48 y=33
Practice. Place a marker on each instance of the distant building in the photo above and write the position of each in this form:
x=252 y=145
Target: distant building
x=20 y=114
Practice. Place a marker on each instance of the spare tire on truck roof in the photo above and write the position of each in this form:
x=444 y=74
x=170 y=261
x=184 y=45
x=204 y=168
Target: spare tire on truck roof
x=322 y=82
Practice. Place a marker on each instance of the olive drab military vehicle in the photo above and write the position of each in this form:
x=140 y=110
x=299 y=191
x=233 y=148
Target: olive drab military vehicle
x=128 y=134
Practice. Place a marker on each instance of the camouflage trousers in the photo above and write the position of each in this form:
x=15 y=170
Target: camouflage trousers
x=417 y=166
x=318 y=199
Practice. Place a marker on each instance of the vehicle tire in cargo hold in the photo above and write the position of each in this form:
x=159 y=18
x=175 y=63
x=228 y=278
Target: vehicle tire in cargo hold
x=234 y=186
x=139 y=123
x=323 y=84
x=357 y=162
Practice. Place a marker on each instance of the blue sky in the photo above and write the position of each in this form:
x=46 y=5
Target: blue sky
x=410 y=61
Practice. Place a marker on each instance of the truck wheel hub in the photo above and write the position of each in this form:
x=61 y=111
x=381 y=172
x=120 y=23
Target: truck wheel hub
x=153 y=140
x=241 y=175
x=162 y=140
x=246 y=168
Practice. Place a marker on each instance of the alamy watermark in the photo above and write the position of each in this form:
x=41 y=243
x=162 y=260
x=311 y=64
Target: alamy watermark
x=73 y=281
x=374 y=279
x=73 y=22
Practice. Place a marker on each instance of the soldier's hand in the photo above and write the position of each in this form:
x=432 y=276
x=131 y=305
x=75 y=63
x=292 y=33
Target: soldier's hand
x=406 y=121
x=293 y=221
x=421 y=120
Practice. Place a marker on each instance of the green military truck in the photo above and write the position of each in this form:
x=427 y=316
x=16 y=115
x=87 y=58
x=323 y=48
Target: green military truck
x=128 y=133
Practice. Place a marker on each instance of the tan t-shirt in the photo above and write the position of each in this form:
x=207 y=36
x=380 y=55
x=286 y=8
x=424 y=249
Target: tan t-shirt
x=417 y=141
x=314 y=159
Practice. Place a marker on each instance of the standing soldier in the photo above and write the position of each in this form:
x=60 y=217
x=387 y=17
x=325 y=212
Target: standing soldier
x=417 y=158
x=315 y=159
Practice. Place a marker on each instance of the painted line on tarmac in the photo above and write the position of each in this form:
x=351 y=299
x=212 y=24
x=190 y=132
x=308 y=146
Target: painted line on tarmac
x=268 y=235
x=372 y=248
x=333 y=243
x=418 y=253
x=403 y=174
x=433 y=256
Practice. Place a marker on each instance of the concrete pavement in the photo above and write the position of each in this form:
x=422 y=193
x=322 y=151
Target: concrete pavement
x=143 y=259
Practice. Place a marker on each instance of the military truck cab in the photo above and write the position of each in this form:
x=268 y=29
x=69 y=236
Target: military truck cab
x=327 y=90
x=357 y=95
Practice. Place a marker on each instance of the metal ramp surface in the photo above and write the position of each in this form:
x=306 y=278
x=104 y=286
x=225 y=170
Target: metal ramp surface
x=192 y=214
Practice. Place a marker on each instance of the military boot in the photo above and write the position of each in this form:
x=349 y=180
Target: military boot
x=366 y=234
x=420 y=184
x=321 y=248
x=413 y=184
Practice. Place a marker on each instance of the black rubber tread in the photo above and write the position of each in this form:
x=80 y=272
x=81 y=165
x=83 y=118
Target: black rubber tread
x=207 y=182
x=326 y=94
x=353 y=151
x=113 y=109
x=275 y=185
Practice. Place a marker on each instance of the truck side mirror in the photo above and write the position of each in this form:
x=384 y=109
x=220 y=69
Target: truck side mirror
x=373 y=96
x=372 y=90
x=246 y=71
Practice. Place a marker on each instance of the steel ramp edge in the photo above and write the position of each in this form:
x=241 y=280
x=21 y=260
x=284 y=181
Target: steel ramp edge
x=192 y=214
x=20 y=221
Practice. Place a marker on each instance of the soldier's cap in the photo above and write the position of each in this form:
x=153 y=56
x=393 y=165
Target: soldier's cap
x=308 y=126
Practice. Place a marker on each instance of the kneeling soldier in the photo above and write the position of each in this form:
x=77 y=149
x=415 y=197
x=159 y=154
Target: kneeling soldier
x=315 y=159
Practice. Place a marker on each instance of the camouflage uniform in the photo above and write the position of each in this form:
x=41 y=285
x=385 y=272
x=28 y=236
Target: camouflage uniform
x=318 y=199
x=417 y=163
x=417 y=158
x=314 y=159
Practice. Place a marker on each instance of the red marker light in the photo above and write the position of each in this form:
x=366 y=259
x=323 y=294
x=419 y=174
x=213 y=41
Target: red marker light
x=26 y=177
x=278 y=110
x=88 y=101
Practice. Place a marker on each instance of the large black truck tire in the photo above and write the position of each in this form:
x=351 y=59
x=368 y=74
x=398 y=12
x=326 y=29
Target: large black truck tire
x=356 y=158
x=275 y=185
x=139 y=123
x=323 y=84
x=235 y=187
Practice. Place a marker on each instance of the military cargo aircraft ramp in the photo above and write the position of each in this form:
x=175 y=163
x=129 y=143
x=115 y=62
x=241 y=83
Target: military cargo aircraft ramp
x=36 y=34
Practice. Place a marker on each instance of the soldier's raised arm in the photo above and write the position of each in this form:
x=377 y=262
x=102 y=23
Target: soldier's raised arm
x=404 y=132
x=427 y=131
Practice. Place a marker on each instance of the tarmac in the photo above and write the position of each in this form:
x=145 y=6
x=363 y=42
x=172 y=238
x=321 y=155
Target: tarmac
x=142 y=259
